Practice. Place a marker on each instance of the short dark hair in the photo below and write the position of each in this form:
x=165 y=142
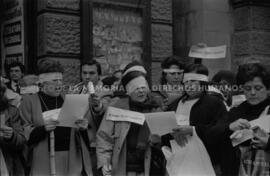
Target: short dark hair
x=172 y=60
x=12 y=65
x=49 y=66
x=226 y=75
x=92 y=62
x=248 y=72
x=167 y=63
x=197 y=68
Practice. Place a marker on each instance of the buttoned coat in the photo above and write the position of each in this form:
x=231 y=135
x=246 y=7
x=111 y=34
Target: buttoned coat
x=112 y=143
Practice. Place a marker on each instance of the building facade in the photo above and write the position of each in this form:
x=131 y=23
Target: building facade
x=115 y=32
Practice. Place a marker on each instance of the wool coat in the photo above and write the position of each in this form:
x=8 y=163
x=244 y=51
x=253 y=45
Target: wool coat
x=12 y=148
x=112 y=143
x=38 y=153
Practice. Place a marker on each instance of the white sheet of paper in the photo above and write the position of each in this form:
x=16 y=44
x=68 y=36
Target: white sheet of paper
x=263 y=122
x=182 y=119
x=161 y=122
x=117 y=114
x=51 y=114
x=245 y=135
x=74 y=108
x=217 y=52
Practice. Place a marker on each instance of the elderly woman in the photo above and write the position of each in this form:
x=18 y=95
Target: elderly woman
x=255 y=81
x=123 y=147
x=197 y=109
x=12 y=139
x=72 y=156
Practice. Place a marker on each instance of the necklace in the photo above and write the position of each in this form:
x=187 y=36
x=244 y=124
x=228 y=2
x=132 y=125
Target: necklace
x=43 y=102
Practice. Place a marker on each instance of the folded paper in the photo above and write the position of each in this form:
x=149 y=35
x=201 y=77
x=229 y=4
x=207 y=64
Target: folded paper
x=241 y=136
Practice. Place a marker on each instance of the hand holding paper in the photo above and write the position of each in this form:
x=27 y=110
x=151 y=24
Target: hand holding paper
x=50 y=124
x=82 y=124
x=207 y=52
x=260 y=139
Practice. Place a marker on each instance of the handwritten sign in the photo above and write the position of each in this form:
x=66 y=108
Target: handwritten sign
x=116 y=114
x=208 y=52
x=161 y=122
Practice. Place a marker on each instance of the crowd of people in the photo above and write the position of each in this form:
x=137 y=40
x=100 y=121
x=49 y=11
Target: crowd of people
x=218 y=111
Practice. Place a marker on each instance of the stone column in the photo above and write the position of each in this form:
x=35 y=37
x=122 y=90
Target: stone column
x=162 y=45
x=251 y=38
x=202 y=21
x=58 y=34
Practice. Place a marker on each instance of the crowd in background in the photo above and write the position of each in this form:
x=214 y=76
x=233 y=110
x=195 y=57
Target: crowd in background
x=217 y=110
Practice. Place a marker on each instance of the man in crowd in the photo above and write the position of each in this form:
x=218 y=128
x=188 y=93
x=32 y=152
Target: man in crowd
x=15 y=72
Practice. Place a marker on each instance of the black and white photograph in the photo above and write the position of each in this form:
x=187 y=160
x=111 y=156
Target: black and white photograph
x=134 y=87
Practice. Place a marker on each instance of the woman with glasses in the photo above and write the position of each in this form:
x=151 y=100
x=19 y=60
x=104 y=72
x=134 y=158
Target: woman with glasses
x=254 y=79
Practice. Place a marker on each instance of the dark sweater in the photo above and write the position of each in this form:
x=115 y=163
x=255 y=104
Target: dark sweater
x=220 y=134
x=204 y=114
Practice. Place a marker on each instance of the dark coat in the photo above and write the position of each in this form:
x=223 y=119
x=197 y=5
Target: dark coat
x=112 y=143
x=220 y=134
x=204 y=114
x=12 y=148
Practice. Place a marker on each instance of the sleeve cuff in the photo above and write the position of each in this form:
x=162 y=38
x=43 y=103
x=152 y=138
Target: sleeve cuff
x=38 y=134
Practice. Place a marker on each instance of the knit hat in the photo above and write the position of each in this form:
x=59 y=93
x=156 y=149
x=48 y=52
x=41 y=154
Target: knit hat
x=134 y=66
x=134 y=71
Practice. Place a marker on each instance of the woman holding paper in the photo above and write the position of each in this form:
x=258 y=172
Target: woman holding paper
x=12 y=139
x=123 y=147
x=197 y=109
x=53 y=150
x=254 y=79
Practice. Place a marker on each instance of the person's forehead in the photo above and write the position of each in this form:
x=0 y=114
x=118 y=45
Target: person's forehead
x=255 y=81
x=89 y=68
x=16 y=68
